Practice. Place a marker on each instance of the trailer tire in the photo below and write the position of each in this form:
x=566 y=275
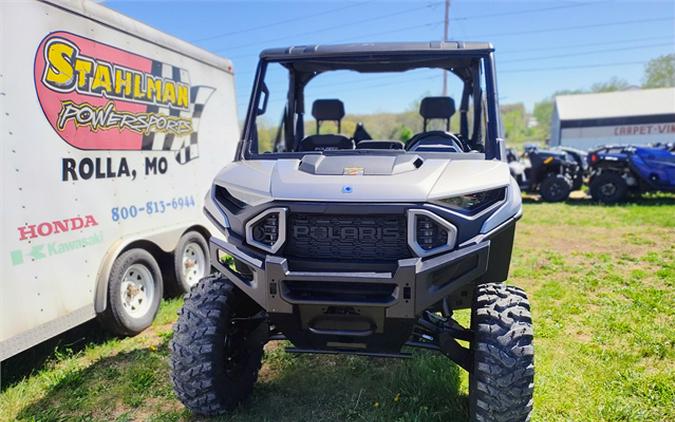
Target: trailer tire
x=215 y=360
x=502 y=380
x=555 y=188
x=134 y=293
x=608 y=187
x=191 y=263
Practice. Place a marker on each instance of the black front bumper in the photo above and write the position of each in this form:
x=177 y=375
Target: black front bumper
x=364 y=311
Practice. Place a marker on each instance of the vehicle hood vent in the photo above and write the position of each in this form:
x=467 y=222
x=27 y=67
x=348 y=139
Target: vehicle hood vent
x=360 y=165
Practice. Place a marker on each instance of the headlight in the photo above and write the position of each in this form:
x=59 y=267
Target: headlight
x=473 y=203
x=267 y=231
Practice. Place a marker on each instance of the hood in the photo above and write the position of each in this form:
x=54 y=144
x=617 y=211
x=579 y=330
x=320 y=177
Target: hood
x=360 y=178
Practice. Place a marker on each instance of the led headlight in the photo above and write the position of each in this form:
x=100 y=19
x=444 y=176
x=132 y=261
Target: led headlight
x=473 y=203
x=267 y=231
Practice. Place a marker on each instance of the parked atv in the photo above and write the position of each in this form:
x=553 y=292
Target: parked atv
x=363 y=246
x=553 y=174
x=617 y=171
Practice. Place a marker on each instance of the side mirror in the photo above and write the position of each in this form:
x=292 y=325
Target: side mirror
x=263 y=107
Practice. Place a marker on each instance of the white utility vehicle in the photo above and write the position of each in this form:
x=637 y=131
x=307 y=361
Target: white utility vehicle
x=111 y=133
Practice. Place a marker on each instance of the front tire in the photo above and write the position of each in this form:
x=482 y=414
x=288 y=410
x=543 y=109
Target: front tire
x=502 y=380
x=609 y=188
x=555 y=188
x=215 y=354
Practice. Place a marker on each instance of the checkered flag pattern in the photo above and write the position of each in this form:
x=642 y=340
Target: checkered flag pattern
x=186 y=146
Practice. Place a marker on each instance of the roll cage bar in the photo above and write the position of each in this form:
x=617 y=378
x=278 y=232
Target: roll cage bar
x=310 y=62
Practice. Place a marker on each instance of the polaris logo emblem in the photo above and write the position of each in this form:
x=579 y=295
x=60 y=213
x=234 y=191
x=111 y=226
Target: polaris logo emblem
x=348 y=234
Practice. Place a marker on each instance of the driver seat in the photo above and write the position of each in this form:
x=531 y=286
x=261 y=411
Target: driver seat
x=326 y=110
x=436 y=140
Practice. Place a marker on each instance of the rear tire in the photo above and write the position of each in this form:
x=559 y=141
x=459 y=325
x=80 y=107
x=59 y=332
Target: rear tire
x=609 y=188
x=502 y=381
x=215 y=360
x=191 y=263
x=555 y=188
x=134 y=293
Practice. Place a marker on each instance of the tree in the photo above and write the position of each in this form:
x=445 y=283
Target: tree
x=614 y=84
x=660 y=72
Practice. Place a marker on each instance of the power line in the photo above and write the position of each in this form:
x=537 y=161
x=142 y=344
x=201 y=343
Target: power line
x=567 y=46
x=501 y=34
x=521 y=12
x=581 y=53
x=557 y=56
x=281 y=22
x=428 y=5
x=538 y=69
x=330 y=28
x=567 y=28
x=418 y=26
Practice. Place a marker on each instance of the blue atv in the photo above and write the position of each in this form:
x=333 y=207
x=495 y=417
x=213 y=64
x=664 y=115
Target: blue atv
x=616 y=171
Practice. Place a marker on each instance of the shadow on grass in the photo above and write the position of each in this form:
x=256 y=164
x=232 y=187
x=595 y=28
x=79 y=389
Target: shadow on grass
x=135 y=386
x=34 y=359
x=110 y=388
x=339 y=388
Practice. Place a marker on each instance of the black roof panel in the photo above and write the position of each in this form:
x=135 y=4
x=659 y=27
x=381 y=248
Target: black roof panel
x=386 y=48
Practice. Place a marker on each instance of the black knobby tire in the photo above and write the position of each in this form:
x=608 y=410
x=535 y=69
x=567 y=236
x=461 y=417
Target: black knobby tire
x=177 y=282
x=116 y=318
x=215 y=360
x=502 y=381
x=555 y=188
x=608 y=187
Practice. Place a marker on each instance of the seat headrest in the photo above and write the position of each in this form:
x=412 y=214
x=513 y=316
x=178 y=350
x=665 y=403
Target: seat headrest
x=329 y=109
x=437 y=107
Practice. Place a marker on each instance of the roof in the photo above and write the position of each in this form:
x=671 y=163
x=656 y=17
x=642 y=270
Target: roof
x=637 y=102
x=120 y=22
x=338 y=50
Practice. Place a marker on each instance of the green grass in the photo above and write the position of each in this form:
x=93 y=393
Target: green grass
x=602 y=286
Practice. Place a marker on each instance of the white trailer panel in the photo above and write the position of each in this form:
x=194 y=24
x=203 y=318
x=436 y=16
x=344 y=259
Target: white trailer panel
x=111 y=133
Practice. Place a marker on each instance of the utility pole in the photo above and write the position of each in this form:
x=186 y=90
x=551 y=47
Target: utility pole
x=445 y=38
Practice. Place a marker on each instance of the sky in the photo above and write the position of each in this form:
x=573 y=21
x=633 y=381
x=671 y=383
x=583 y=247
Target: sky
x=541 y=46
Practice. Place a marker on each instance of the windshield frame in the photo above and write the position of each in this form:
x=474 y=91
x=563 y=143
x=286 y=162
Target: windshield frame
x=492 y=139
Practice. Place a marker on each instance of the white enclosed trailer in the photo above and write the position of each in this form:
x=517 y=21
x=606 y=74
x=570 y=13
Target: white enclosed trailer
x=110 y=135
x=634 y=117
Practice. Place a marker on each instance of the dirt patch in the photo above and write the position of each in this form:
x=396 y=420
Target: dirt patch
x=569 y=240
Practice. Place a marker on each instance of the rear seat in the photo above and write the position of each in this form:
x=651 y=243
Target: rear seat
x=326 y=110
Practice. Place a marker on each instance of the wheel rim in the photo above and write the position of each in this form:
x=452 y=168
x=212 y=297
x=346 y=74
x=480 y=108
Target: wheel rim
x=608 y=189
x=554 y=190
x=194 y=263
x=137 y=290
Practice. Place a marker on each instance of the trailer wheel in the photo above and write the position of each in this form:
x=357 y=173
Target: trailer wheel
x=134 y=293
x=608 y=187
x=191 y=262
x=555 y=188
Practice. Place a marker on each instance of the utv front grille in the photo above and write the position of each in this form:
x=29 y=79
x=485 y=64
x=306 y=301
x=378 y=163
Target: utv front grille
x=353 y=238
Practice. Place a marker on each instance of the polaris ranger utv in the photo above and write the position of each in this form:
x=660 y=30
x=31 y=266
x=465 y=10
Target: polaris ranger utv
x=362 y=248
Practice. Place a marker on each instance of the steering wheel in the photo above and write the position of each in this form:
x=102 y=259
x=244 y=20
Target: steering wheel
x=437 y=137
